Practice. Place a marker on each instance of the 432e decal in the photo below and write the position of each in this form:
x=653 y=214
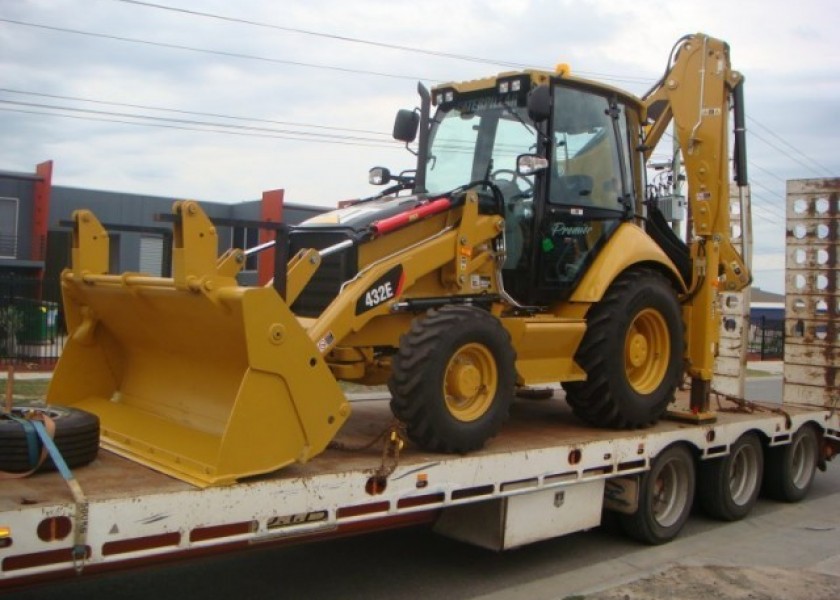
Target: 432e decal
x=383 y=289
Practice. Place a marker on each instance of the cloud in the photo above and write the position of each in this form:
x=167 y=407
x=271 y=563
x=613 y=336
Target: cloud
x=788 y=55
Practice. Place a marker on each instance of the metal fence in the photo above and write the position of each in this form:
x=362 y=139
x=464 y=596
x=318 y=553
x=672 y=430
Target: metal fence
x=32 y=331
x=766 y=338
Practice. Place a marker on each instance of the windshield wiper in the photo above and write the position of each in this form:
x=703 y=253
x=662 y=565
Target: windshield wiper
x=542 y=137
x=517 y=116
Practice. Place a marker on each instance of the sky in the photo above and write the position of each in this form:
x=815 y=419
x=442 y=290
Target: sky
x=301 y=95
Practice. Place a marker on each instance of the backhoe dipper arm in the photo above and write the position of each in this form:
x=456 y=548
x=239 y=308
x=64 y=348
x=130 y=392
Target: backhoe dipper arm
x=695 y=93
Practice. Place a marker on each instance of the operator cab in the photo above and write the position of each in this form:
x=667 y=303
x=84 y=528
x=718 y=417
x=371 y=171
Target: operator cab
x=560 y=154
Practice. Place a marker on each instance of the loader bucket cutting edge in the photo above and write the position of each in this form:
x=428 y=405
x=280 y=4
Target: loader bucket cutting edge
x=206 y=387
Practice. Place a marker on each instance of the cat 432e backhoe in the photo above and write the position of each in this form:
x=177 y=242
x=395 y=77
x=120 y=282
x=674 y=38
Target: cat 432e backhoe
x=521 y=252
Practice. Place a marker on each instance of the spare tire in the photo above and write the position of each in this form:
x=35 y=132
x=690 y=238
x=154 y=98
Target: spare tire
x=76 y=436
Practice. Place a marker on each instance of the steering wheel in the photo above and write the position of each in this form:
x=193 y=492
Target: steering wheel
x=525 y=191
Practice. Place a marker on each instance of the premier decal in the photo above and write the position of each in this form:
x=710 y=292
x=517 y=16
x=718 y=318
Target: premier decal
x=560 y=229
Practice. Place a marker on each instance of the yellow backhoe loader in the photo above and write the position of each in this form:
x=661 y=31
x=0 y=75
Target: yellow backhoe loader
x=521 y=251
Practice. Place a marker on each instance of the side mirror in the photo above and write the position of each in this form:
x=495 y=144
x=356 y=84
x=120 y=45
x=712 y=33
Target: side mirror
x=539 y=103
x=379 y=176
x=405 y=125
x=528 y=164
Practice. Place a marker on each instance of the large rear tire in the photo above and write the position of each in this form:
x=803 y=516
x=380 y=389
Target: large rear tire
x=631 y=352
x=453 y=379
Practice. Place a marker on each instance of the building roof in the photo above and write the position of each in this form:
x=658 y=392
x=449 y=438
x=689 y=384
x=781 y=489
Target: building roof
x=759 y=295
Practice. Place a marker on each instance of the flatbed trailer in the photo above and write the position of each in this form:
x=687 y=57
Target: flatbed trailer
x=544 y=476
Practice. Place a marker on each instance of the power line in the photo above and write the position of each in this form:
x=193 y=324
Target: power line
x=786 y=153
x=772 y=217
x=213 y=52
x=247 y=56
x=186 y=125
x=345 y=69
x=355 y=40
x=791 y=146
x=342 y=38
x=188 y=121
x=189 y=112
x=214 y=127
x=204 y=130
x=603 y=76
x=754 y=204
x=766 y=172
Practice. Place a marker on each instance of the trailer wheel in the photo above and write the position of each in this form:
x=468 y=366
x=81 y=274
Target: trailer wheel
x=453 y=379
x=631 y=352
x=76 y=436
x=728 y=487
x=789 y=470
x=666 y=493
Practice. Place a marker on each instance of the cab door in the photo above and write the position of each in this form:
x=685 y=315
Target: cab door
x=589 y=188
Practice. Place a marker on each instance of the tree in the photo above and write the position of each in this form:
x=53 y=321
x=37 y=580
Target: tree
x=11 y=323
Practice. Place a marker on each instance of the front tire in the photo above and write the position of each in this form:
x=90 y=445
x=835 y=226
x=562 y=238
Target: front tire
x=453 y=379
x=631 y=353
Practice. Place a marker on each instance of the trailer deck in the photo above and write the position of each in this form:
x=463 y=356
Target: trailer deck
x=133 y=513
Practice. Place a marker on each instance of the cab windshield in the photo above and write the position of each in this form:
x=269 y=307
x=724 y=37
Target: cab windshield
x=479 y=139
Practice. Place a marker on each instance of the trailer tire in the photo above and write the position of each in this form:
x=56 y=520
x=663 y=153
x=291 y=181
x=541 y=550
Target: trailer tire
x=666 y=494
x=789 y=470
x=76 y=436
x=453 y=379
x=631 y=353
x=727 y=487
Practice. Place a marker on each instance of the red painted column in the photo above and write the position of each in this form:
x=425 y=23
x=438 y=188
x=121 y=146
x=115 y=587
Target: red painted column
x=270 y=210
x=41 y=210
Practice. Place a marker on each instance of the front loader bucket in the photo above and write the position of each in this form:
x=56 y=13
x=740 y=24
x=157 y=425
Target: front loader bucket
x=194 y=376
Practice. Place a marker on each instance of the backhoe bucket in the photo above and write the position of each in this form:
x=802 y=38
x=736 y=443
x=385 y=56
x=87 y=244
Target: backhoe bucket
x=194 y=376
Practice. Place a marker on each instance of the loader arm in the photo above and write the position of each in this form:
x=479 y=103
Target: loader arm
x=375 y=290
x=695 y=94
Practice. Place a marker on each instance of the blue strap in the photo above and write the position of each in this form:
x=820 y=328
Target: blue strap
x=48 y=442
x=31 y=439
x=79 y=551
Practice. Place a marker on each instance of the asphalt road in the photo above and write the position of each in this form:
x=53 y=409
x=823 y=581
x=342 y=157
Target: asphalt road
x=416 y=563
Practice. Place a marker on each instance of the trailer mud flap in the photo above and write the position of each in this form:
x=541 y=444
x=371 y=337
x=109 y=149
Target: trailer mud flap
x=194 y=376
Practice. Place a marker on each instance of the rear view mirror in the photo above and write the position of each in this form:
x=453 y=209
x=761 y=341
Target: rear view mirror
x=539 y=103
x=405 y=125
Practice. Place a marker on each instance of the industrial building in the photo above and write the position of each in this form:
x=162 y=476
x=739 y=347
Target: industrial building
x=35 y=245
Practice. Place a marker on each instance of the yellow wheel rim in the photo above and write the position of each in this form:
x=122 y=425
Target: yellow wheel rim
x=647 y=349
x=470 y=382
